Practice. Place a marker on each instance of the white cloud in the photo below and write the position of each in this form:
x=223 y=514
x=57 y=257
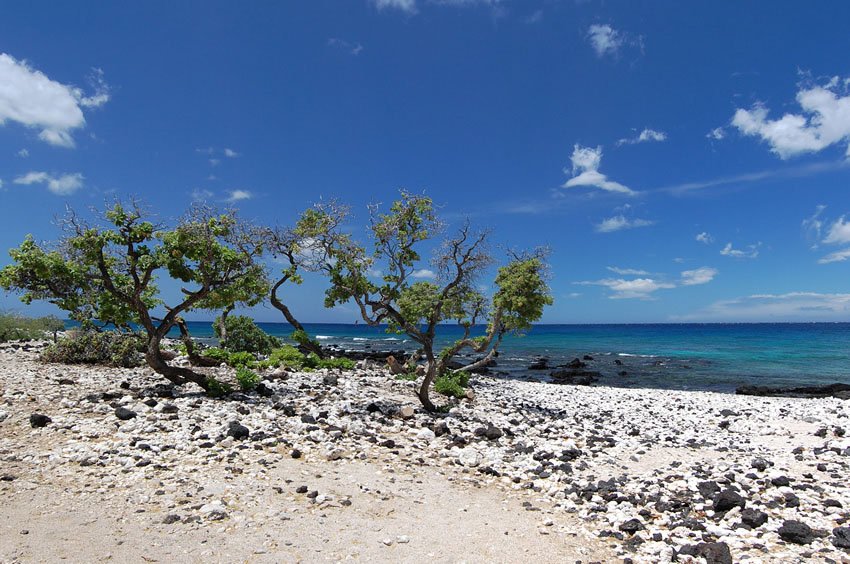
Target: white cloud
x=824 y=121
x=605 y=39
x=718 y=133
x=627 y=271
x=407 y=6
x=793 y=306
x=839 y=232
x=1 y=183
x=813 y=225
x=63 y=185
x=30 y=98
x=239 y=195
x=837 y=256
x=620 y=222
x=644 y=136
x=352 y=48
x=701 y=275
x=230 y=153
x=214 y=162
x=424 y=273
x=751 y=252
x=586 y=161
x=23 y=153
x=705 y=237
x=640 y=288
x=201 y=195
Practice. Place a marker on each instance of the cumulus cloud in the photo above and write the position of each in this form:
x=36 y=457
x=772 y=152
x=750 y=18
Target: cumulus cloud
x=640 y=288
x=407 y=6
x=644 y=136
x=30 y=98
x=424 y=274
x=839 y=232
x=793 y=306
x=585 y=171
x=63 y=185
x=702 y=275
x=824 y=120
x=605 y=40
x=627 y=271
x=239 y=195
x=751 y=252
x=705 y=237
x=621 y=222
x=718 y=133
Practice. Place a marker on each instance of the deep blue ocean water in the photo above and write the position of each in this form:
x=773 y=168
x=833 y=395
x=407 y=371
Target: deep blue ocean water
x=716 y=357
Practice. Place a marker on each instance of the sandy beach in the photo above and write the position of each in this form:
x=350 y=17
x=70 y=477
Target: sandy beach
x=333 y=466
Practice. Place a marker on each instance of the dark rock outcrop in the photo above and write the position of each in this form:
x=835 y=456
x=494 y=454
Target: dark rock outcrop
x=837 y=390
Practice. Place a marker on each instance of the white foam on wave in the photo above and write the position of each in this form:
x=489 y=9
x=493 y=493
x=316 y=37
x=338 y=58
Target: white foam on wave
x=360 y=339
x=323 y=337
x=638 y=355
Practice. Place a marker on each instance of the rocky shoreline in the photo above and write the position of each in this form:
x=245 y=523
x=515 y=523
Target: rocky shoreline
x=621 y=474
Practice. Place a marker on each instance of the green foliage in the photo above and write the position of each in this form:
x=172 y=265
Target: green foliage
x=110 y=348
x=14 y=327
x=247 y=379
x=243 y=335
x=241 y=358
x=522 y=293
x=287 y=356
x=216 y=388
x=340 y=363
x=407 y=376
x=218 y=354
x=452 y=384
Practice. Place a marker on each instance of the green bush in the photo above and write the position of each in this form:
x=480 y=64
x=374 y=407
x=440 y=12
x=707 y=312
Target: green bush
x=288 y=356
x=216 y=353
x=109 y=348
x=452 y=384
x=247 y=379
x=243 y=335
x=242 y=358
x=407 y=376
x=216 y=388
x=341 y=363
x=14 y=327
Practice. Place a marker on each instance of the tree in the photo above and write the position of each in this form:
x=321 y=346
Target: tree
x=417 y=308
x=307 y=247
x=106 y=272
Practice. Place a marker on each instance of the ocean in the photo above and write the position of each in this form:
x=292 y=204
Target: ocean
x=716 y=357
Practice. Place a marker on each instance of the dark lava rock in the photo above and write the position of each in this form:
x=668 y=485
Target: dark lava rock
x=727 y=499
x=169 y=519
x=539 y=364
x=125 y=414
x=330 y=380
x=39 y=420
x=708 y=489
x=301 y=489
x=760 y=464
x=841 y=537
x=753 y=518
x=841 y=391
x=575 y=364
x=309 y=419
x=295 y=453
x=713 y=552
x=575 y=377
x=169 y=408
x=796 y=532
x=587 y=357
x=8 y=478
x=781 y=481
x=632 y=526
x=491 y=432
x=618 y=362
x=791 y=500
x=65 y=382
x=440 y=428
x=237 y=431
x=262 y=390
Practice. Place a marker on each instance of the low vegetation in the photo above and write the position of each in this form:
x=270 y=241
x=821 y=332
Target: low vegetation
x=109 y=348
x=15 y=327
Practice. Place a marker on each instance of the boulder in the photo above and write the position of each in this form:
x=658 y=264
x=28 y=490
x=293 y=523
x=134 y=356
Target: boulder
x=125 y=414
x=237 y=431
x=39 y=420
x=727 y=499
x=796 y=532
x=575 y=377
x=395 y=367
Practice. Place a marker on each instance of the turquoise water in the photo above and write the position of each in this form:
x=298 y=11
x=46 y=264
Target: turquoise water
x=716 y=357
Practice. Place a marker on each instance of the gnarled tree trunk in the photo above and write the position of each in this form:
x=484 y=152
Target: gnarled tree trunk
x=430 y=374
x=194 y=358
x=175 y=374
x=308 y=344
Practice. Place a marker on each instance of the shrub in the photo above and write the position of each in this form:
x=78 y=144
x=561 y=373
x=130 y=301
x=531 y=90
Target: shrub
x=216 y=388
x=109 y=348
x=288 y=356
x=452 y=384
x=247 y=379
x=407 y=376
x=14 y=327
x=243 y=335
x=341 y=363
x=245 y=359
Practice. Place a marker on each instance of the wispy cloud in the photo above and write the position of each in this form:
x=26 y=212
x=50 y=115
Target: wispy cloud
x=201 y=195
x=23 y=153
x=718 y=134
x=751 y=251
x=607 y=41
x=702 y=275
x=638 y=288
x=347 y=46
x=406 y=6
x=585 y=171
x=621 y=222
x=33 y=100
x=824 y=121
x=793 y=306
x=239 y=195
x=645 y=136
x=705 y=237
x=62 y=185
x=627 y=271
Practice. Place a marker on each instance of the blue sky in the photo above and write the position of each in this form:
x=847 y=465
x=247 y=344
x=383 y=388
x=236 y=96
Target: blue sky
x=685 y=161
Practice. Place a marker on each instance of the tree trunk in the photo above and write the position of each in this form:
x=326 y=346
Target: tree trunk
x=174 y=374
x=308 y=344
x=222 y=325
x=483 y=361
x=194 y=358
x=430 y=373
